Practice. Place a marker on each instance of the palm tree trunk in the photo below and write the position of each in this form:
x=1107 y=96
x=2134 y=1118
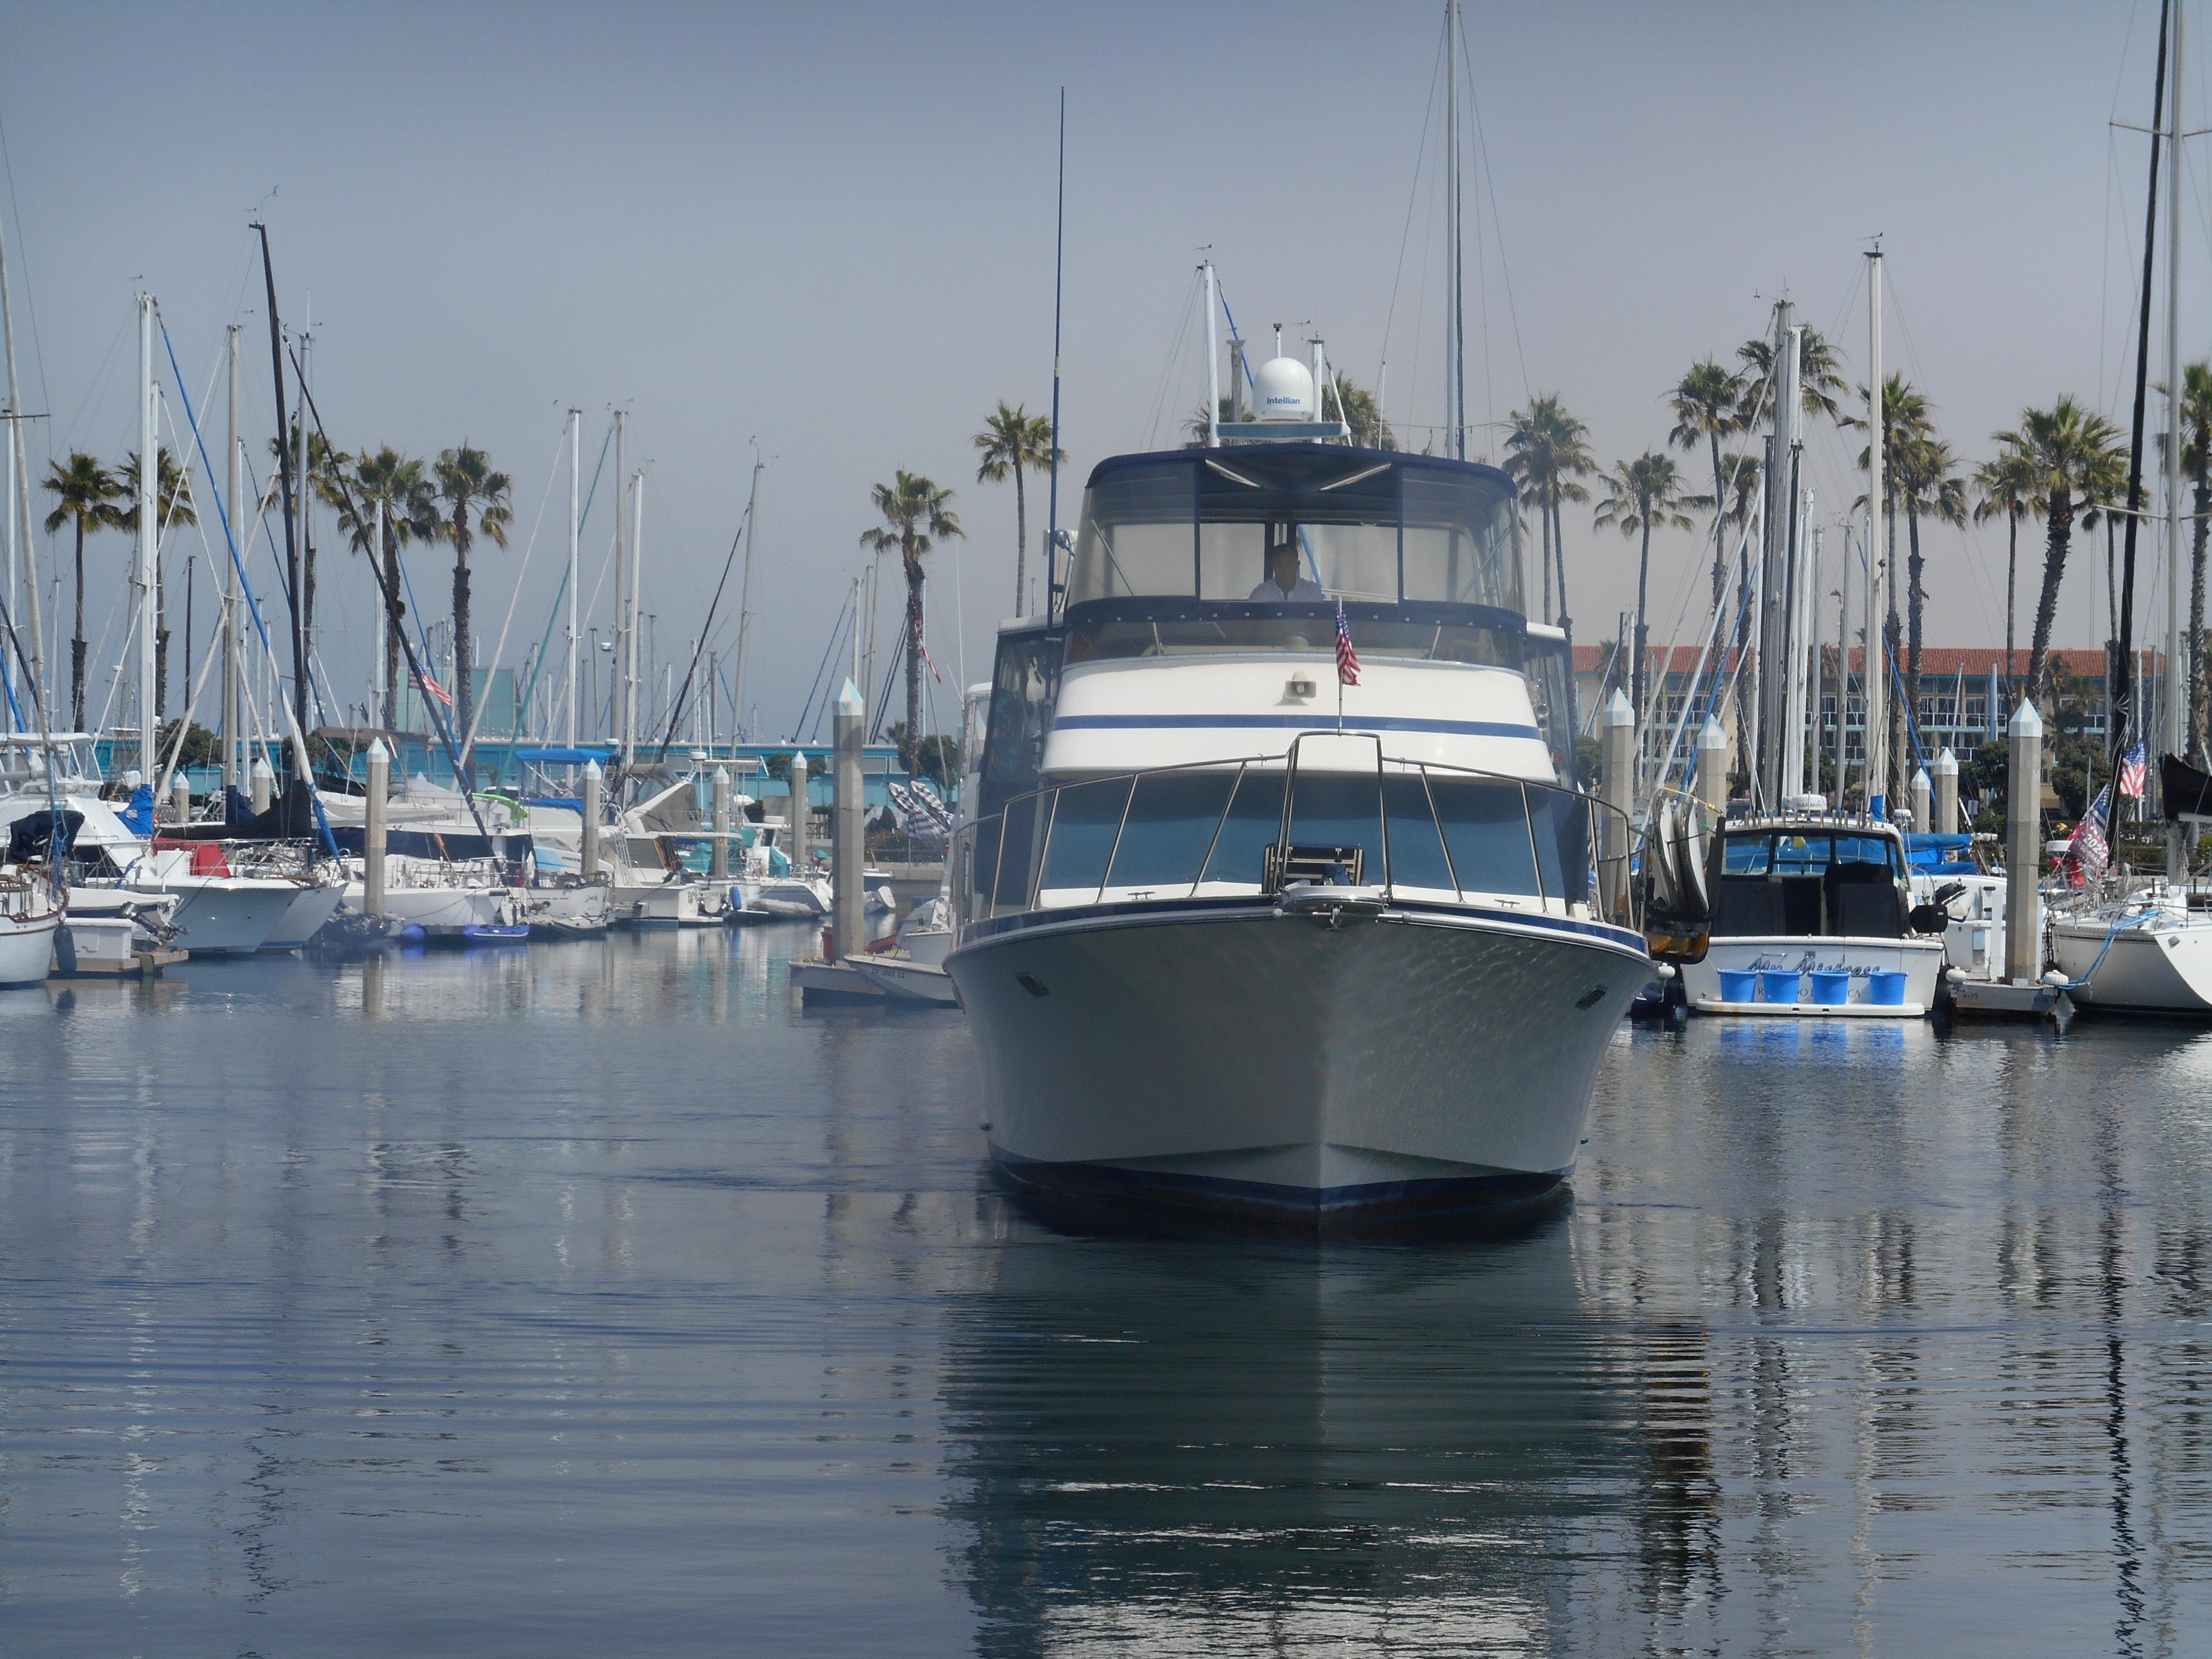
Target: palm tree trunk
x=2012 y=569
x=398 y=610
x=1914 y=598
x=2059 y=532
x=2202 y=505
x=1021 y=543
x=1544 y=538
x=463 y=693
x=1636 y=663
x=913 y=656
x=1720 y=541
x=76 y=640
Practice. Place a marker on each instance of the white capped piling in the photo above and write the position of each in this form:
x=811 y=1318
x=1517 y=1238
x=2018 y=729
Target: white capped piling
x=1947 y=794
x=591 y=848
x=1713 y=768
x=1617 y=789
x=720 y=869
x=798 y=812
x=1923 y=800
x=371 y=831
x=848 y=819
x=2024 y=846
x=180 y=800
x=263 y=783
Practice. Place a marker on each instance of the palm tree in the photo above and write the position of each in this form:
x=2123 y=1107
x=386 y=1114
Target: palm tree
x=1357 y=407
x=2197 y=463
x=1010 y=441
x=2007 y=485
x=916 y=515
x=2075 y=455
x=1819 y=374
x=1640 y=495
x=1546 y=450
x=411 y=514
x=89 y=494
x=1707 y=404
x=173 y=504
x=1927 y=481
x=468 y=489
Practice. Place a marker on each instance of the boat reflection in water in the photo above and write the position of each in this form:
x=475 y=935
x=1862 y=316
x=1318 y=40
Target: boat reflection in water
x=1210 y=1447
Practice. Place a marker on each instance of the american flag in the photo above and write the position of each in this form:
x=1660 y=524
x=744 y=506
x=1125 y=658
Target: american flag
x=1347 y=659
x=2087 y=850
x=2131 y=771
x=426 y=681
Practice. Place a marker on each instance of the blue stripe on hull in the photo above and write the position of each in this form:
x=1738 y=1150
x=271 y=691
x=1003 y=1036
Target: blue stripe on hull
x=1292 y=723
x=1309 y=1208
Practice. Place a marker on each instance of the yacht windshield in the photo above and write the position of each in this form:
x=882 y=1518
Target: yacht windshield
x=1362 y=526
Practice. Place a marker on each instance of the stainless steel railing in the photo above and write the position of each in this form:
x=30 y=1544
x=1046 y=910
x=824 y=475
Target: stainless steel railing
x=1067 y=840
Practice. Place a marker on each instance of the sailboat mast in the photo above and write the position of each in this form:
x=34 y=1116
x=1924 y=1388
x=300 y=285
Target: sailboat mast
x=234 y=494
x=745 y=602
x=1874 y=670
x=1455 y=322
x=285 y=473
x=636 y=565
x=575 y=530
x=149 y=528
x=19 y=503
x=2177 y=682
x=623 y=642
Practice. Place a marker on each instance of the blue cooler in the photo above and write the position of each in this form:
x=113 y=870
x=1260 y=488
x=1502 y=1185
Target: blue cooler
x=1738 y=987
x=1779 y=987
x=1885 y=990
x=1831 y=990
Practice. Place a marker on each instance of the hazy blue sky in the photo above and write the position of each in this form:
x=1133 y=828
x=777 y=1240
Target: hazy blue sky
x=830 y=227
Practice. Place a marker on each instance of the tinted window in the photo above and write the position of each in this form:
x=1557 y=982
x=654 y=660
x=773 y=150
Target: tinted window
x=1747 y=855
x=1340 y=811
x=1170 y=824
x=1485 y=828
x=1561 y=825
x=1417 y=854
x=1017 y=850
x=1256 y=818
x=1801 y=855
x=1082 y=836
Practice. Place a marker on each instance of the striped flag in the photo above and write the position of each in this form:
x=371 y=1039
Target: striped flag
x=1347 y=659
x=2131 y=771
x=2088 y=851
x=426 y=682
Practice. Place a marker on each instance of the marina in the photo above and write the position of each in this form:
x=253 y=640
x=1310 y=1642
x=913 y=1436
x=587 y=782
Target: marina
x=1348 y=1004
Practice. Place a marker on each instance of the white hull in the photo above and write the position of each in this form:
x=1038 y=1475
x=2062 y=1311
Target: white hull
x=905 y=979
x=223 y=916
x=1920 y=960
x=1226 y=1055
x=568 y=912
x=672 y=904
x=793 y=897
x=27 y=947
x=2158 y=970
x=438 y=909
x=304 y=917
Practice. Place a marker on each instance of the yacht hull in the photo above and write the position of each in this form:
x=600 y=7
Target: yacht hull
x=1223 y=1057
x=224 y=916
x=304 y=917
x=26 y=946
x=2158 y=971
x=1920 y=960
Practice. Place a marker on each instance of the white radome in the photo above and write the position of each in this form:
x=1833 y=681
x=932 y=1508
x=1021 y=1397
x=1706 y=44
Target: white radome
x=1283 y=390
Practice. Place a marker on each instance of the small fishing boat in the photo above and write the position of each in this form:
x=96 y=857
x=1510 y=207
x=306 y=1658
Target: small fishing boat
x=1811 y=916
x=30 y=916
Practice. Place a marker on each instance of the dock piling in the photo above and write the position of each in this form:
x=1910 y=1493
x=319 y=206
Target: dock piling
x=1713 y=770
x=719 y=868
x=847 y=849
x=372 y=832
x=2024 y=846
x=261 y=781
x=1617 y=788
x=1947 y=794
x=591 y=847
x=799 y=811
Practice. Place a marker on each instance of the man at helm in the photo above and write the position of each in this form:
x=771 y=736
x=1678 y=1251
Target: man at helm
x=1282 y=584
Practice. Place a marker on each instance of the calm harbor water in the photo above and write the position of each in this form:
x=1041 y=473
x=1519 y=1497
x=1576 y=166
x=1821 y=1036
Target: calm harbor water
x=592 y=1298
